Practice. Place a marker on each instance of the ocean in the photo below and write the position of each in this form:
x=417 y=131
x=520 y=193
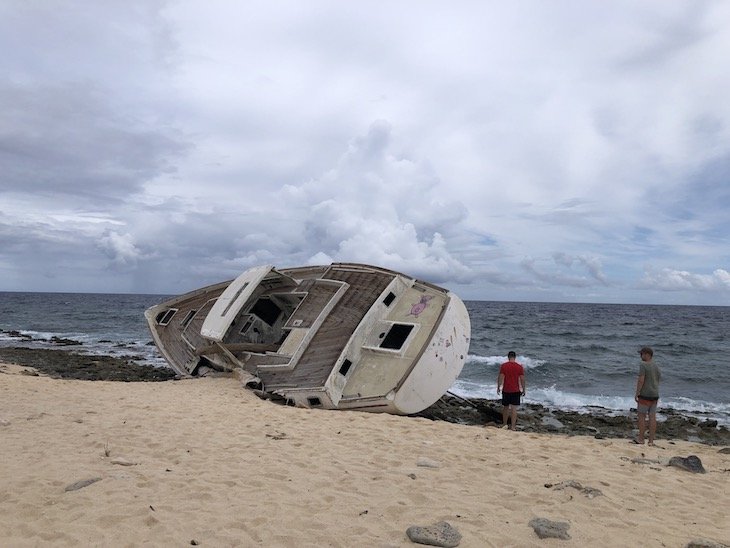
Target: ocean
x=577 y=357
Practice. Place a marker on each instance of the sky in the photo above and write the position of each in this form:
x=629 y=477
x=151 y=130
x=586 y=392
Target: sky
x=566 y=151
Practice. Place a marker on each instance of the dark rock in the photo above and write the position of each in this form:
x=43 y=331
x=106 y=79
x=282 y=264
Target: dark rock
x=438 y=534
x=599 y=422
x=66 y=364
x=18 y=335
x=64 y=342
x=703 y=543
x=725 y=451
x=550 y=529
x=691 y=464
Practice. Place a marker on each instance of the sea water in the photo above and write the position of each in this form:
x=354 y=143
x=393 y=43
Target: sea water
x=576 y=356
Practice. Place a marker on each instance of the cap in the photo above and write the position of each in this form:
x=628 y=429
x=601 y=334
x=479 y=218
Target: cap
x=646 y=350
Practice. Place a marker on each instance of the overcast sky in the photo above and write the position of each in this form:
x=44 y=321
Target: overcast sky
x=571 y=151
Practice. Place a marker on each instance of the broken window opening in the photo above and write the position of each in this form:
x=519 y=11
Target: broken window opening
x=397 y=336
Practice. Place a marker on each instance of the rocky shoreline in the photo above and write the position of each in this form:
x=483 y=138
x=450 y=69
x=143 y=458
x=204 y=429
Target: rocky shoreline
x=599 y=423
x=68 y=364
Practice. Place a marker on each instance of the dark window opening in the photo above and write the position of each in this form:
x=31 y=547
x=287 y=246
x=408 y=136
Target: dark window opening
x=389 y=298
x=245 y=326
x=396 y=336
x=267 y=310
x=163 y=318
x=314 y=402
x=189 y=318
x=345 y=367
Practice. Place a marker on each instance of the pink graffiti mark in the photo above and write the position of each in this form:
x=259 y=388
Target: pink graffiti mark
x=420 y=306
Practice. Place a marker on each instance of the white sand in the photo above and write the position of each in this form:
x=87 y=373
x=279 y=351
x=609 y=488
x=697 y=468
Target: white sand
x=215 y=465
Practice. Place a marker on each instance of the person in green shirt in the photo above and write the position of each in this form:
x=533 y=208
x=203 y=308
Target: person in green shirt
x=647 y=394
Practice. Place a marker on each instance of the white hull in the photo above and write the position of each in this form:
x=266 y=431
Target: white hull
x=340 y=336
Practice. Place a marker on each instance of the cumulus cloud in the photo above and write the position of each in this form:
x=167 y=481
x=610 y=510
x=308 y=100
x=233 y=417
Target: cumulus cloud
x=119 y=248
x=378 y=206
x=157 y=146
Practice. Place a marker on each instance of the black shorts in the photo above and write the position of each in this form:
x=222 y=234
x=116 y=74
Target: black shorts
x=511 y=398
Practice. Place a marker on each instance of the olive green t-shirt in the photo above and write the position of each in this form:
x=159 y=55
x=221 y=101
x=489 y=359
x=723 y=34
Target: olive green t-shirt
x=650 y=388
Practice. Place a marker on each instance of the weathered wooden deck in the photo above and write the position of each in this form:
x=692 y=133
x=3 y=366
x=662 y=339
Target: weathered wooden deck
x=321 y=355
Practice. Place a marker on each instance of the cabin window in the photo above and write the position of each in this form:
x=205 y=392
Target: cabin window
x=389 y=298
x=163 y=318
x=188 y=318
x=267 y=310
x=345 y=367
x=245 y=327
x=397 y=335
x=314 y=402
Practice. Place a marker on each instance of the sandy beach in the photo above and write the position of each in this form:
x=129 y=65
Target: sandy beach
x=205 y=462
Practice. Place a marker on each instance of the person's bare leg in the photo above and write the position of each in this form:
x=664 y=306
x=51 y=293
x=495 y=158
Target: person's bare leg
x=505 y=414
x=642 y=427
x=513 y=413
x=652 y=427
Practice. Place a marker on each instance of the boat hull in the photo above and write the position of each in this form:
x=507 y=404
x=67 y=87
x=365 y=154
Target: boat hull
x=339 y=336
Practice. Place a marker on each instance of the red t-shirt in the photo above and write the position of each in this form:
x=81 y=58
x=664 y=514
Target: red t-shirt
x=512 y=371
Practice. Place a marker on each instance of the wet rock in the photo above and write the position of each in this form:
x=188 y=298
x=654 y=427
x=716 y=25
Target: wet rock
x=60 y=341
x=66 y=364
x=599 y=422
x=438 y=534
x=544 y=528
x=691 y=464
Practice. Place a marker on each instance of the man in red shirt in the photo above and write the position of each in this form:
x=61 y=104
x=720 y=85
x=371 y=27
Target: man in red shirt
x=511 y=383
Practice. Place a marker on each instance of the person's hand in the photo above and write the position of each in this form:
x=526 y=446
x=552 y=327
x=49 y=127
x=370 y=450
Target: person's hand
x=523 y=392
x=498 y=390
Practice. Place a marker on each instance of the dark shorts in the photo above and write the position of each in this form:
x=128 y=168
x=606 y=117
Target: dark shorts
x=511 y=398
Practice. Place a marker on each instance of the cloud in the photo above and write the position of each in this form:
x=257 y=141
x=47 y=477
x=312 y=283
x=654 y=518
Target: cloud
x=378 y=206
x=65 y=140
x=160 y=146
x=119 y=248
x=562 y=272
x=667 y=279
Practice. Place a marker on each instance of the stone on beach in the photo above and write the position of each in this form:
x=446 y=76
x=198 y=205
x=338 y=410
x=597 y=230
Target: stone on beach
x=438 y=534
x=122 y=461
x=703 y=543
x=427 y=463
x=691 y=464
x=75 y=486
x=545 y=528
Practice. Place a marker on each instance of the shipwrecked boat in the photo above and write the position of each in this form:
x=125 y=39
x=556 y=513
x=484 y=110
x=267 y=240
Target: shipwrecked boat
x=339 y=336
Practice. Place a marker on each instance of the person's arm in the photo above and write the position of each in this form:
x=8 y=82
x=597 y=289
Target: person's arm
x=522 y=384
x=639 y=385
x=500 y=382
